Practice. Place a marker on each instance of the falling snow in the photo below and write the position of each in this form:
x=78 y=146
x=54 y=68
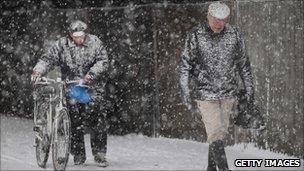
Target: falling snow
x=144 y=42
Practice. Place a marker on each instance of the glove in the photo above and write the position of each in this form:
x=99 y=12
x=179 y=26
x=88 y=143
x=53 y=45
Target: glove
x=189 y=106
x=35 y=77
x=259 y=120
x=87 y=80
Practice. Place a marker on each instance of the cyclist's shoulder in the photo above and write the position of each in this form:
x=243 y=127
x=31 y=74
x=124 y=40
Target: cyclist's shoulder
x=93 y=41
x=63 y=40
x=93 y=38
x=59 y=43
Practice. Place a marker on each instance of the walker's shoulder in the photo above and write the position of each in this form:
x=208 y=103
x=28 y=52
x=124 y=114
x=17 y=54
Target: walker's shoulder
x=232 y=29
x=200 y=29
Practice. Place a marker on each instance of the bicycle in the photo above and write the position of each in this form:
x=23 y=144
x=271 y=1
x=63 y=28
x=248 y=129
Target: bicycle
x=52 y=122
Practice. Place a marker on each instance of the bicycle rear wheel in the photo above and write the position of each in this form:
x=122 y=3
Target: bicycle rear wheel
x=61 y=140
x=42 y=141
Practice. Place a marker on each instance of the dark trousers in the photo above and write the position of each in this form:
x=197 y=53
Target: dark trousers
x=88 y=118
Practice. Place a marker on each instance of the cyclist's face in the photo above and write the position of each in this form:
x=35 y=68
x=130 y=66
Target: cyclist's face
x=78 y=40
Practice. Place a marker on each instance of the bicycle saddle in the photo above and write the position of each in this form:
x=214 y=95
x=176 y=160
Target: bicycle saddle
x=80 y=94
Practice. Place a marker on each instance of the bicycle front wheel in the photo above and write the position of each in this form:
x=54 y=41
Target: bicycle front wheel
x=42 y=140
x=42 y=150
x=61 y=140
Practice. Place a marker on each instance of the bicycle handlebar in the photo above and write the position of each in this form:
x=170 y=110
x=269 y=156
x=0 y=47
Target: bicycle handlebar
x=47 y=81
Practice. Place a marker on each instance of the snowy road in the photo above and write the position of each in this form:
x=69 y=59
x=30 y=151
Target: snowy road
x=131 y=152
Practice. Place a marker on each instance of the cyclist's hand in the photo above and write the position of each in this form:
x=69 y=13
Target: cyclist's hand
x=87 y=80
x=35 y=77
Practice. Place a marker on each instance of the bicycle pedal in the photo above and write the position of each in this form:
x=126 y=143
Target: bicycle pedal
x=61 y=160
x=36 y=129
x=35 y=143
x=40 y=122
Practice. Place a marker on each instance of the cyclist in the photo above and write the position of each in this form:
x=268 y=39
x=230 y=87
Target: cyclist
x=81 y=56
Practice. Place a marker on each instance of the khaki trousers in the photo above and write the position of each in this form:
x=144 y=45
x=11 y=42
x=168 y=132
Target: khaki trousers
x=216 y=116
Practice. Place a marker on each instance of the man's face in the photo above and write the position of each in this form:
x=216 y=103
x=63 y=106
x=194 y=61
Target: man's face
x=216 y=25
x=78 y=40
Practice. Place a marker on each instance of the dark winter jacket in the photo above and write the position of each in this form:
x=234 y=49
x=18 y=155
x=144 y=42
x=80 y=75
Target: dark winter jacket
x=213 y=61
x=77 y=61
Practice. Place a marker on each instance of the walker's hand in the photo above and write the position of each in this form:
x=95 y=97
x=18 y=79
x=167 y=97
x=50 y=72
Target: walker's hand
x=35 y=77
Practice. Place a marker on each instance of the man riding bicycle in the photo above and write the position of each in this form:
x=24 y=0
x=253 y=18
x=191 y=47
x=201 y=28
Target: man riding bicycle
x=81 y=56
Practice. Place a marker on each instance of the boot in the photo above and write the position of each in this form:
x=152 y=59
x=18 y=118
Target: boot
x=100 y=159
x=218 y=152
x=211 y=162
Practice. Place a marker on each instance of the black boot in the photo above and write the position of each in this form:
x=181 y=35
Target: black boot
x=100 y=159
x=79 y=159
x=211 y=162
x=218 y=152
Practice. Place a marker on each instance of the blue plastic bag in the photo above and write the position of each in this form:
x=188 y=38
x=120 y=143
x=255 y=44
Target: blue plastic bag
x=80 y=94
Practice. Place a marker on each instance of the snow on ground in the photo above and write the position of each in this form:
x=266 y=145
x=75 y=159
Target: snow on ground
x=130 y=152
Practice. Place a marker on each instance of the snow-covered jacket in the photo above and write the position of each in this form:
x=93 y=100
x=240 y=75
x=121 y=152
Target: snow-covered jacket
x=76 y=61
x=213 y=61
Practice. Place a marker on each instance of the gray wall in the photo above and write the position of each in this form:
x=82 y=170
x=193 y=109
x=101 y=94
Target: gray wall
x=274 y=37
